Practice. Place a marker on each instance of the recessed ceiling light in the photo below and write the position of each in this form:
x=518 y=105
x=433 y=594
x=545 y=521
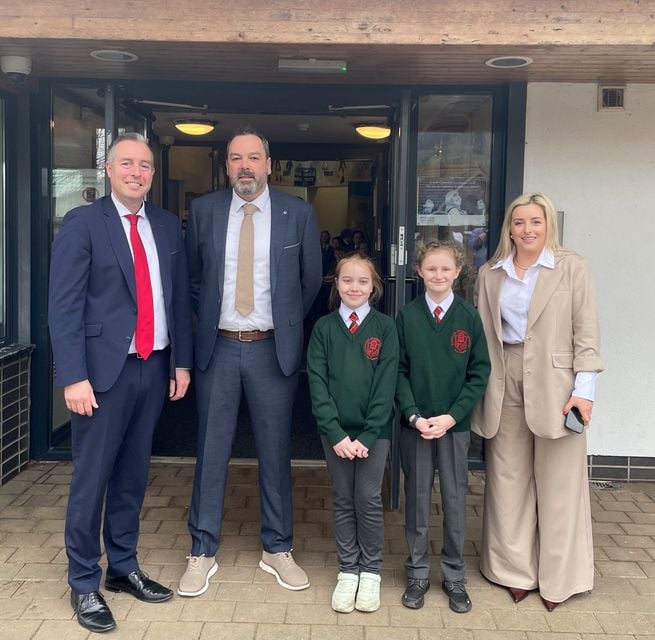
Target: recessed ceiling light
x=114 y=55
x=508 y=62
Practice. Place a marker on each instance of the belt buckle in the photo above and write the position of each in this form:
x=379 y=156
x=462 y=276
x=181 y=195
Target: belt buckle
x=243 y=339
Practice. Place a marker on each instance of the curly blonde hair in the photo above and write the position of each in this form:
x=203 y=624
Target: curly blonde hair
x=424 y=248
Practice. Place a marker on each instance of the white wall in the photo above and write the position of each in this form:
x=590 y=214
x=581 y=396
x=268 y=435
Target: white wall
x=599 y=168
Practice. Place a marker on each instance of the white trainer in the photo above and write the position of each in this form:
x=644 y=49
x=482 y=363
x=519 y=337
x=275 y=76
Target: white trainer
x=368 y=594
x=343 y=596
x=195 y=579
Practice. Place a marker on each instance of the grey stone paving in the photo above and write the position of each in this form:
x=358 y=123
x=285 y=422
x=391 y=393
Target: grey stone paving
x=245 y=603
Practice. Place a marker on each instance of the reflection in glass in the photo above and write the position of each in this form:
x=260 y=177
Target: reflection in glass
x=3 y=177
x=78 y=176
x=453 y=176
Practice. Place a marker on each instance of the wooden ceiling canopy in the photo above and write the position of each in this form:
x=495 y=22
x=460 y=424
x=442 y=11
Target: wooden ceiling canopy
x=367 y=64
x=382 y=41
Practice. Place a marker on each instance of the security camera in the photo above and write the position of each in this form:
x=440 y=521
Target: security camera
x=16 y=68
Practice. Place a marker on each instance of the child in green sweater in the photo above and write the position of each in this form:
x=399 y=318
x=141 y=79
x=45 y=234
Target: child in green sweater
x=443 y=372
x=352 y=364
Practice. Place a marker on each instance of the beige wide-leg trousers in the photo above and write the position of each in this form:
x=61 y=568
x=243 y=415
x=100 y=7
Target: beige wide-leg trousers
x=536 y=531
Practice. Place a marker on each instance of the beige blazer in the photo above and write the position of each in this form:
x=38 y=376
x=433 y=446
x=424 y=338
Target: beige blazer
x=562 y=338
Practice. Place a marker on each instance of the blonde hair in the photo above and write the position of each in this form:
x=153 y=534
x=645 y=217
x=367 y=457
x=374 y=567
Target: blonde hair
x=423 y=249
x=506 y=244
x=376 y=294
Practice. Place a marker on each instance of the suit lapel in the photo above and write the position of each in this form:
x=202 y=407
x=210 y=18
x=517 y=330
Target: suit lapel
x=546 y=284
x=119 y=244
x=220 y=216
x=279 y=221
x=493 y=284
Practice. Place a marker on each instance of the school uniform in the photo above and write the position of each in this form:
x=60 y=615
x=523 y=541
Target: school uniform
x=352 y=378
x=444 y=367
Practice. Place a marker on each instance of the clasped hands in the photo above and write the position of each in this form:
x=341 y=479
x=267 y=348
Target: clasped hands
x=350 y=449
x=435 y=427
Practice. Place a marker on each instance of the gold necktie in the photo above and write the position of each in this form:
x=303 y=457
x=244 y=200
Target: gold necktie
x=245 y=288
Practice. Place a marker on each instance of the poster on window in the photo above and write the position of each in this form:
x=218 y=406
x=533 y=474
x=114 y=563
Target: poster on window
x=452 y=201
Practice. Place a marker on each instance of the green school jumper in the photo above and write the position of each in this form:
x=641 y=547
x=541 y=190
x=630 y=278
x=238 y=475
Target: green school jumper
x=352 y=377
x=443 y=370
x=444 y=366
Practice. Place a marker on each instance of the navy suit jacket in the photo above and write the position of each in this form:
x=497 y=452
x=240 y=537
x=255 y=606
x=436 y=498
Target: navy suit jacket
x=296 y=270
x=92 y=301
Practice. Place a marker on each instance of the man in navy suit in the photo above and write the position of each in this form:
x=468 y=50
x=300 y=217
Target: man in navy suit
x=116 y=264
x=249 y=341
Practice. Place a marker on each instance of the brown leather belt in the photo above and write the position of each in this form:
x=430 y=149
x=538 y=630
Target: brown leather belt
x=246 y=336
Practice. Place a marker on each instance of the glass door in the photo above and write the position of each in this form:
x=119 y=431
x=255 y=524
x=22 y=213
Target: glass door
x=453 y=176
x=442 y=188
x=81 y=121
x=398 y=289
x=77 y=178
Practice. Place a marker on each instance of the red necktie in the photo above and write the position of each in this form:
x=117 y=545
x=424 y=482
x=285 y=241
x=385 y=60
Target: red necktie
x=353 y=322
x=145 y=314
x=437 y=314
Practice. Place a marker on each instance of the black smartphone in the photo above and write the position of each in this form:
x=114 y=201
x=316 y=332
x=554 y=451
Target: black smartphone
x=574 y=421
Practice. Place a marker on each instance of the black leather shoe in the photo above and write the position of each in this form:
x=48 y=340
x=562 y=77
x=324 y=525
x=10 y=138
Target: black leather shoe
x=92 y=611
x=458 y=599
x=415 y=591
x=140 y=586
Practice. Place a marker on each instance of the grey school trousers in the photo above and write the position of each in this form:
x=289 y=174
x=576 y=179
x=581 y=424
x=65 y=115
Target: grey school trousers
x=357 y=500
x=419 y=458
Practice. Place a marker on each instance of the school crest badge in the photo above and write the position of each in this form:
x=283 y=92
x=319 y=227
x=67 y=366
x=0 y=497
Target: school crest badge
x=461 y=341
x=372 y=348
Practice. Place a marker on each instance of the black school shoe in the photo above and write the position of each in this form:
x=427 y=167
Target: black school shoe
x=458 y=599
x=414 y=595
x=92 y=611
x=140 y=586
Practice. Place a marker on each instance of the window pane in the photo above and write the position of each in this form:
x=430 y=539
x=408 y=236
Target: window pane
x=3 y=205
x=78 y=143
x=78 y=176
x=454 y=167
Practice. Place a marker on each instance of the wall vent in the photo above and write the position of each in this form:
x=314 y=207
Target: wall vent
x=611 y=98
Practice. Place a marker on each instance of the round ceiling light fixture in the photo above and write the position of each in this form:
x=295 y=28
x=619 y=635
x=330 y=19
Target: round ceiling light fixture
x=373 y=131
x=508 y=62
x=113 y=55
x=194 y=127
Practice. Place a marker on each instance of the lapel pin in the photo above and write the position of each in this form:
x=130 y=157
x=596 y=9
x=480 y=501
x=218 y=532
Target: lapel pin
x=284 y=213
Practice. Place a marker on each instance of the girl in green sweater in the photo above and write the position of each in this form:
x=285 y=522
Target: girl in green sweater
x=443 y=371
x=352 y=364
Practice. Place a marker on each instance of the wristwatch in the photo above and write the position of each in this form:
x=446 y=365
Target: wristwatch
x=414 y=419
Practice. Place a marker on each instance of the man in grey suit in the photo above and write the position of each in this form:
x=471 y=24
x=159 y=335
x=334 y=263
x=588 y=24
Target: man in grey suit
x=255 y=268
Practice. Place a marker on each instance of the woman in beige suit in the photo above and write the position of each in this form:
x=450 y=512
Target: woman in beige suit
x=538 y=308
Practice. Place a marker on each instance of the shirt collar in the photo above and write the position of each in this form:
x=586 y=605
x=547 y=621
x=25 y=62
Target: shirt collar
x=361 y=312
x=124 y=211
x=261 y=201
x=546 y=259
x=444 y=304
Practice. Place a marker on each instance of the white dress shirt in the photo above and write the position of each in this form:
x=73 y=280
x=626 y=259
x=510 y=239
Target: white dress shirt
x=444 y=304
x=515 y=298
x=261 y=317
x=361 y=312
x=148 y=240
